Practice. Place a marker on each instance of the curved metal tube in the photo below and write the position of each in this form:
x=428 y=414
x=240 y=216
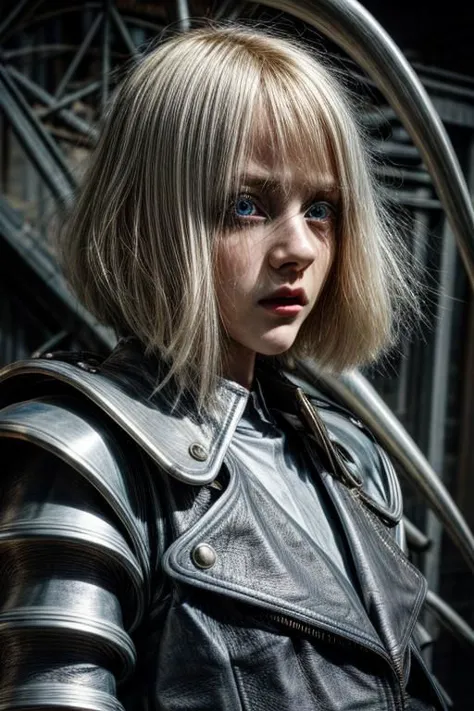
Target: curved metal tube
x=416 y=540
x=354 y=29
x=449 y=618
x=359 y=396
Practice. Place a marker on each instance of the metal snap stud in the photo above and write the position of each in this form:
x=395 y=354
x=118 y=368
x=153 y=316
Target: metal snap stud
x=86 y=366
x=197 y=451
x=204 y=556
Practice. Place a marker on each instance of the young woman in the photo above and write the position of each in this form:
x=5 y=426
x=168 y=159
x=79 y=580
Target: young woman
x=183 y=526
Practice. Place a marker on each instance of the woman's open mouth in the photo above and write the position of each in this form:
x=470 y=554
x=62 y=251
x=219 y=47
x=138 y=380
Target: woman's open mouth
x=285 y=302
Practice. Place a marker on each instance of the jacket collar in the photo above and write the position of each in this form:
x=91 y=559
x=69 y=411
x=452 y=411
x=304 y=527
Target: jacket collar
x=188 y=447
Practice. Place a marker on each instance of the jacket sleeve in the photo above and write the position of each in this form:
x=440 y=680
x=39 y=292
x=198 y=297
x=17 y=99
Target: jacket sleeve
x=72 y=563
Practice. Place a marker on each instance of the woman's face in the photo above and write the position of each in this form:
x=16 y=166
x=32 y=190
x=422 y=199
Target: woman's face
x=275 y=255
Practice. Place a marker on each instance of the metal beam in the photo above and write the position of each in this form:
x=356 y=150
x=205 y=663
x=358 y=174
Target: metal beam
x=69 y=99
x=76 y=60
x=123 y=31
x=105 y=65
x=21 y=239
x=35 y=140
x=10 y=19
x=39 y=93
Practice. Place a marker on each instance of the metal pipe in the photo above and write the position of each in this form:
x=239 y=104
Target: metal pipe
x=449 y=618
x=105 y=64
x=349 y=25
x=359 y=396
x=416 y=539
x=181 y=12
x=439 y=392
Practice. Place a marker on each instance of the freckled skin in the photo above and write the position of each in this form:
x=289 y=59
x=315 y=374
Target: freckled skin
x=281 y=233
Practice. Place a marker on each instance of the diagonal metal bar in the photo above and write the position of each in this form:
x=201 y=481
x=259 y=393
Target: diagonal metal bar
x=123 y=31
x=10 y=19
x=229 y=10
x=416 y=539
x=359 y=396
x=28 y=245
x=69 y=99
x=78 y=56
x=39 y=93
x=352 y=27
x=105 y=66
x=53 y=343
x=449 y=618
x=35 y=140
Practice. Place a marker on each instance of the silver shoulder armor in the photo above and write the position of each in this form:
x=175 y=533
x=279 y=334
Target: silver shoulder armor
x=185 y=446
x=84 y=444
x=74 y=558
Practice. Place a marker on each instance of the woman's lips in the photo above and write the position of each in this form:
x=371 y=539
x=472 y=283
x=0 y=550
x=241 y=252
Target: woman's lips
x=282 y=306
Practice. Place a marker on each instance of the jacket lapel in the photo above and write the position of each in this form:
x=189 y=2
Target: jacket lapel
x=392 y=589
x=263 y=558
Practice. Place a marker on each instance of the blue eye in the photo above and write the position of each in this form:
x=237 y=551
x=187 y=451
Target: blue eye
x=245 y=206
x=320 y=211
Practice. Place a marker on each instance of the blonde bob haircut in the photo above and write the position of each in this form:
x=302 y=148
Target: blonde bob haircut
x=139 y=246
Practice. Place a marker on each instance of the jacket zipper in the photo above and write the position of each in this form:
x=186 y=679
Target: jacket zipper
x=329 y=638
x=318 y=428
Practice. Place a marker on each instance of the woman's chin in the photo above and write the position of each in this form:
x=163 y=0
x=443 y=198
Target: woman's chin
x=276 y=344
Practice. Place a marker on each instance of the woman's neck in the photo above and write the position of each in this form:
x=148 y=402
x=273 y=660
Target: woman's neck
x=239 y=364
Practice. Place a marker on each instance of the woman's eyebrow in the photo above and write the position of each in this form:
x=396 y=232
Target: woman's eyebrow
x=270 y=183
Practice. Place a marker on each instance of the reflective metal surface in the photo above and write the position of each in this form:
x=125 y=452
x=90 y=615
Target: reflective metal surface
x=449 y=618
x=348 y=24
x=67 y=435
x=142 y=419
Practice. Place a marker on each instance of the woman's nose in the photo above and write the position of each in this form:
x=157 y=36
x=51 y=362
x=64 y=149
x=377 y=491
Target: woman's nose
x=294 y=244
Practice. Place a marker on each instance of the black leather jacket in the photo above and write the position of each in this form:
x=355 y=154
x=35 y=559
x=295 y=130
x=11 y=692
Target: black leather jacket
x=141 y=567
